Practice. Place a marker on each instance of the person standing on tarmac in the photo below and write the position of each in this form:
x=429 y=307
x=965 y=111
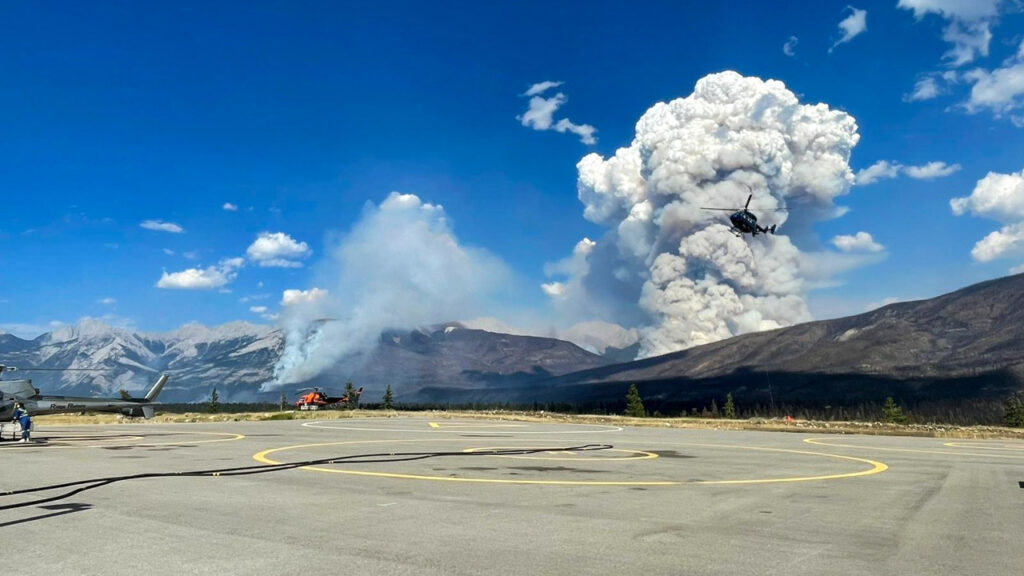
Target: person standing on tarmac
x=21 y=415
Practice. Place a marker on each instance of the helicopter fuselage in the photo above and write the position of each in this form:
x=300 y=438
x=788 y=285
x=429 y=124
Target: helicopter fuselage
x=744 y=222
x=37 y=404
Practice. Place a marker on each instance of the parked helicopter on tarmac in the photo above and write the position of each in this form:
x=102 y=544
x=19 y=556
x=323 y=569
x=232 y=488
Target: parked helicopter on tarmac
x=22 y=391
x=315 y=400
x=745 y=222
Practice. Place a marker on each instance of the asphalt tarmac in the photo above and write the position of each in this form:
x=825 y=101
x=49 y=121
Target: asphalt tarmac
x=447 y=497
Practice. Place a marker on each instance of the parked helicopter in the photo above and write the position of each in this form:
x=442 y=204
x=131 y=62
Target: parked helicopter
x=316 y=399
x=22 y=391
x=745 y=222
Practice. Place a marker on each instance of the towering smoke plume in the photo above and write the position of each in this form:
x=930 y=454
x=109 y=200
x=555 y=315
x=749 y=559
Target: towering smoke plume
x=688 y=278
x=399 y=267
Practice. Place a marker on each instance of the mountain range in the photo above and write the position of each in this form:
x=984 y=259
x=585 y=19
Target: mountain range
x=238 y=359
x=960 y=347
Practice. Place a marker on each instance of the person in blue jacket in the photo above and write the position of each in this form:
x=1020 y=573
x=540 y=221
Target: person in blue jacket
x=21 y=415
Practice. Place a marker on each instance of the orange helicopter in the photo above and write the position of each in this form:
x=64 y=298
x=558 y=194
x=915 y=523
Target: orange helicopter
x=316 y=399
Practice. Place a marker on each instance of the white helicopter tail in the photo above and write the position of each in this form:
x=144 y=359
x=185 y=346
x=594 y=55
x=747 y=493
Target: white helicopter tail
x=155 y=390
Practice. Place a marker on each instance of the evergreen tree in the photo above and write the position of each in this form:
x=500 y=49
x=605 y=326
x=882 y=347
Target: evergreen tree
x=1013 y=412
x=388 y=398
x=124 y=394
x=714 y=408
x=634 y=405
x=893 y=413
x=214 y=406
x=729 y=410
x=350 y=393
x=284 y=401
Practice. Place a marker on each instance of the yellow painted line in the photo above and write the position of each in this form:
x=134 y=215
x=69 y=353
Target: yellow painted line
x=435 y=425
x=232 y=438
x=876 y=468
x=642 y=455
x=990 y=446
x=821 y=442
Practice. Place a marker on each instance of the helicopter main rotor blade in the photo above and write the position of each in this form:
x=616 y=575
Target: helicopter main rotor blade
x=16 y=369
x=749 y=198
x=729 y=209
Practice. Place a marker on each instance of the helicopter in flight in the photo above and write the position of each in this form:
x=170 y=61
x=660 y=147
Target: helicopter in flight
x=744 y=221
x=22 y=392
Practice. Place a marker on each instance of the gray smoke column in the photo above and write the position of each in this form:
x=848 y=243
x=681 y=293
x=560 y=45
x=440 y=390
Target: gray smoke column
x=694 y=281
x=400 y=266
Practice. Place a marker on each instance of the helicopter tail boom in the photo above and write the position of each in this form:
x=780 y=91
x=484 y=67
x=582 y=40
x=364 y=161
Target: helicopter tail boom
x=157 y=388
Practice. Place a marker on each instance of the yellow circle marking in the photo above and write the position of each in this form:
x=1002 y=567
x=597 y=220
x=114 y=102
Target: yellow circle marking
x=641 y=454
x=986 y=446
x=232 y=437
x=876 y=468
x=459 y=425
x=822 y=442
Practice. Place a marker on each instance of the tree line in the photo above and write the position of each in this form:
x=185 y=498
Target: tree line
x=1009 y=412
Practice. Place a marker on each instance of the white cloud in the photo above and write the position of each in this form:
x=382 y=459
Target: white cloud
x=1017 y=269
x=883 y=169
x=229 y=207
x=584 y=131
x=541 y=87
x=257 y=309
x=999 y=197
x=292 y=297
x=968 y=28
x=251 y=297
x=1005 y=242
x=859 y=242
x=554 y=289
x=852 y=26
x=926 y=88
x=107 y=301
x=996 y=196
x=202 y=279
x=278 y=250
x=1001 y=91
x=162 y=226
x=168 y=251
x=789 y=48
x=931 y=170
x=540 y=114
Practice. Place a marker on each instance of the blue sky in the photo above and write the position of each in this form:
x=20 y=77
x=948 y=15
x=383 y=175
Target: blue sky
x=117 y=115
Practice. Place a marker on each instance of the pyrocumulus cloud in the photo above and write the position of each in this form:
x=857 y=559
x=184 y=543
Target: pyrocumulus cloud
x=674 y=269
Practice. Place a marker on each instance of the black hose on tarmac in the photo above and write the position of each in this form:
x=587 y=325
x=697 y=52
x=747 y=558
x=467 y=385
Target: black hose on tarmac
x=80 y=486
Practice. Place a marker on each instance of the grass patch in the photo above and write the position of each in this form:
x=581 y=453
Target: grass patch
x=279 y=416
